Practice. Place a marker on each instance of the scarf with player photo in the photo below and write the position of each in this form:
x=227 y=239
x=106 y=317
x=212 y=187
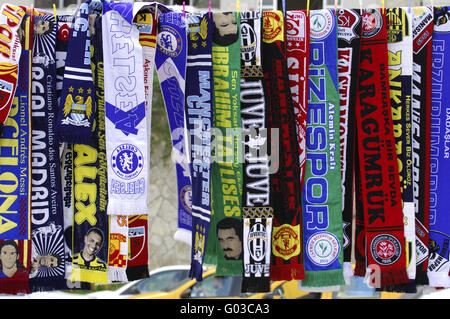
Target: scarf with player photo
x=118 y=248
x=285 y=185
x=170 y=64
x=322 y=199
x=90 y=182
x=14 y=272
x=400 y=60
x=383 y=216
x=438 y=260
x=349 y=39
x=421 y=110
x=77 y=107
x=137 y=265
x=125 y=110
x=224 y=245
x=15 y=151
x=46 y=201
x=11 y=17
x=199 y=121
x=257 y=213
x=17 y=134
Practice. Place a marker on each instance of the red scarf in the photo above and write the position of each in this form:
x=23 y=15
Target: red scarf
x=383 y=216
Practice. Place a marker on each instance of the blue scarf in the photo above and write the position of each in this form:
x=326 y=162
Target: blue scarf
x=322 y=199
x=438 y=263
x=46 y=202
x=170 y=62
x=77 y=107
x=199 y=120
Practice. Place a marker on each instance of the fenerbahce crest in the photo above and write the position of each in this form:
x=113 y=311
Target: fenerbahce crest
x=80 y=110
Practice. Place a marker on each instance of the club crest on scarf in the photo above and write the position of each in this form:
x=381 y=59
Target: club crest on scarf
x=78 y=107
x=285 y=241
x=169 y=41
x=272 y=27
x=127 y=162
x=323 y=248
x=371 y=23
x=348 y=20
x=321 y=24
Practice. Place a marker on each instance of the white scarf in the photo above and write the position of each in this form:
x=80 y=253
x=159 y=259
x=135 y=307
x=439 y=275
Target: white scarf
x=126 y=122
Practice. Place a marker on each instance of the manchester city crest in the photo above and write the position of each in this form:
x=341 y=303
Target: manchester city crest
x=77 y=111
x=127 y=161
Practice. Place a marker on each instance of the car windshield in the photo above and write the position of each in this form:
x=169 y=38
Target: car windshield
x=163 y=281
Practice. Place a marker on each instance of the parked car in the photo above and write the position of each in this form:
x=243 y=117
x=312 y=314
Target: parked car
x=213 y=286
x=161 y=278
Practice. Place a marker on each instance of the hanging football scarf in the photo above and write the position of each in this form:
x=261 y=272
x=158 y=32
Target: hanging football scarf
x=10 y=18
x=257 y=213
x=287 y=256
x=15 y=147
x=118 y=248
x=322 y=199
x=77 y=107
x=383 y=217
x=46 y=201
x=137 y=261
x=90 y=220
x=421 y=103
x=297 y=41
x=400 y=56
x=126 y=124
x=170 y=62
x=224 y=245
x=199 y=122
x=349 y=38
x=16 y=135
x=438 y=262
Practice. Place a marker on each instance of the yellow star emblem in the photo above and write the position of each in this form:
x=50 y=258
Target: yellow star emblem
x=80 y=90
x=203 y=43
x=71 y=89
x=194 y=45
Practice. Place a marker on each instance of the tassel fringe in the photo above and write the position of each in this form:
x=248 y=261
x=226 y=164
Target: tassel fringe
x=117 y=274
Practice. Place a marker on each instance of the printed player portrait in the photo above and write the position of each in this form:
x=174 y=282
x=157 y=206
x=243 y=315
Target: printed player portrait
x=229 y=234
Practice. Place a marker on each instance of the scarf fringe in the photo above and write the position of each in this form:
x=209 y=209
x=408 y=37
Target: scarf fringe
x=324 y=278
x=184 y=236
x=348 y=272
x=388 y=277
x=421 y=278
x=287 y=272
x=124 y=207
x=255 y=285
x=117 y=274
x=360 y=268
x=137 y=272
x=318 y=289
x=439 y=279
